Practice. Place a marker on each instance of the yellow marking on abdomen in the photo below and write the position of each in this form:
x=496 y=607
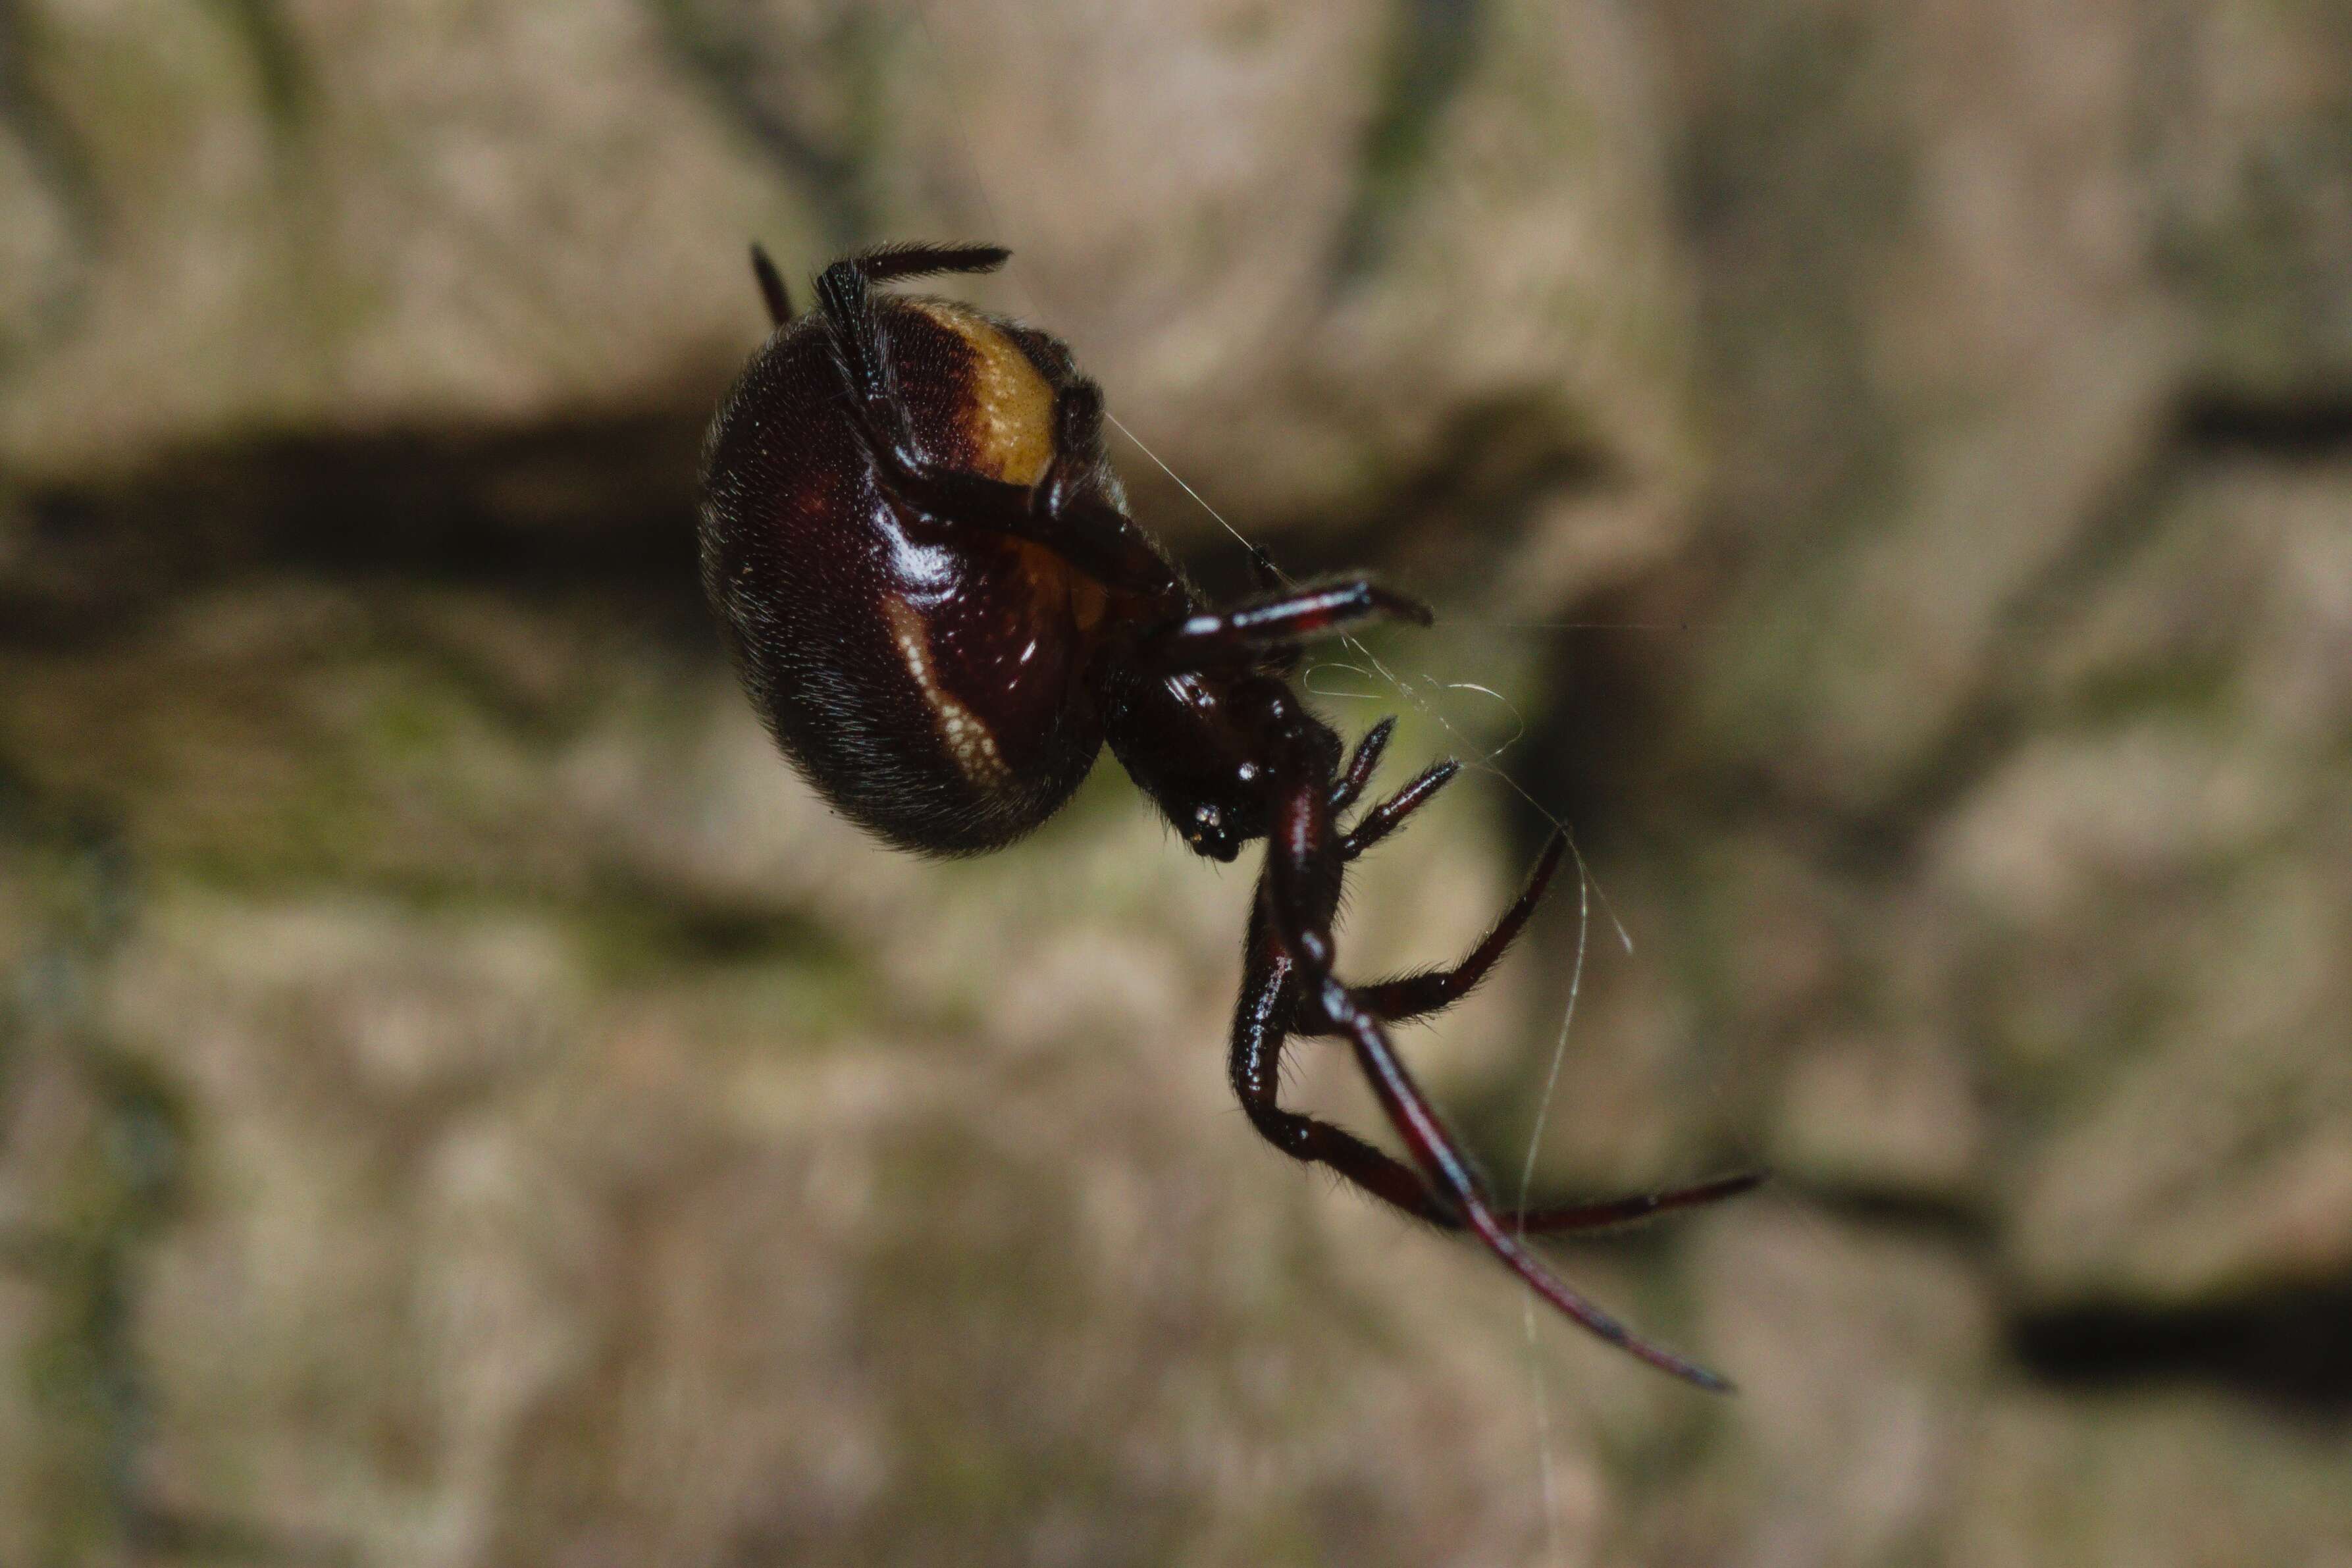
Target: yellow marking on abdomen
x=966 y=735
x=1011 y=406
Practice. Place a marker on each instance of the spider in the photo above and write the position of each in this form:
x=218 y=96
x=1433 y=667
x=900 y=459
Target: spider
x=925 y=572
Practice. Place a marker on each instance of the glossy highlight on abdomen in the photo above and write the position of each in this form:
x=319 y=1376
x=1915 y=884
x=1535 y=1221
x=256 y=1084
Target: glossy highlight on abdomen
x=930 y=684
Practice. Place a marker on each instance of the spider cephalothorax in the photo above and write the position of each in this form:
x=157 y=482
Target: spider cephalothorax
x=929 y=579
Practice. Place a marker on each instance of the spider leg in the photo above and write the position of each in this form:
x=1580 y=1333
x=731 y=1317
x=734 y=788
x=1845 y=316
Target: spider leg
x=1301 y=884
x=1269 y=579
x=1262 y=1022
x=1389 y=815
x=1092 y=535
x=771 y=287
x=1429 y=991
x=1358 y=770
x=1607 y=1214
x=1272 y=622
x=1262 y=1025
x=921 y=259
x=1410 y=1112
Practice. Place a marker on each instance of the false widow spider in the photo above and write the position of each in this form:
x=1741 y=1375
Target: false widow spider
x=928 y=577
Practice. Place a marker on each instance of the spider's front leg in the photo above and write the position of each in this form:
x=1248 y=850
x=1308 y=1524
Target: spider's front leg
x=1274 y=622
x=1292 y=986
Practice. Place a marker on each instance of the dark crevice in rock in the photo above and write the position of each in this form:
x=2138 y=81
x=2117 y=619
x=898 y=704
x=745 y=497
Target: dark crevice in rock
x=592 y=500
x=659 y=925
x=1598 y=753
x=2316 y=428
x=1947 y=1218
x=2291 y=1346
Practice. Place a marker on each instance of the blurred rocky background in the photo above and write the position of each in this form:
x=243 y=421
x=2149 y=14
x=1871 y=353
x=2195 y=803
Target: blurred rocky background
x=462 y=1102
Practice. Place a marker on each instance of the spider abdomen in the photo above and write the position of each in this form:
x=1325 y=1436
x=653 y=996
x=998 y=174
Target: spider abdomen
x=928 y=681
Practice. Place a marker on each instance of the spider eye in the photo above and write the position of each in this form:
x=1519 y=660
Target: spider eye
x=1207 y=833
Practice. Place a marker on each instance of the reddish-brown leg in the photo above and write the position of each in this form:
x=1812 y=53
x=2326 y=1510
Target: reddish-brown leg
x=1272 y=622
x=1263 y=1023
x=1300 y=895
x=1433 y=1149
x=1380 y=820
x=1360 y=766
x=1432 y=990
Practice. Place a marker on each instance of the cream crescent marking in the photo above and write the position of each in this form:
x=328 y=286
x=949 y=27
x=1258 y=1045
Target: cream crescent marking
x=966 y=736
